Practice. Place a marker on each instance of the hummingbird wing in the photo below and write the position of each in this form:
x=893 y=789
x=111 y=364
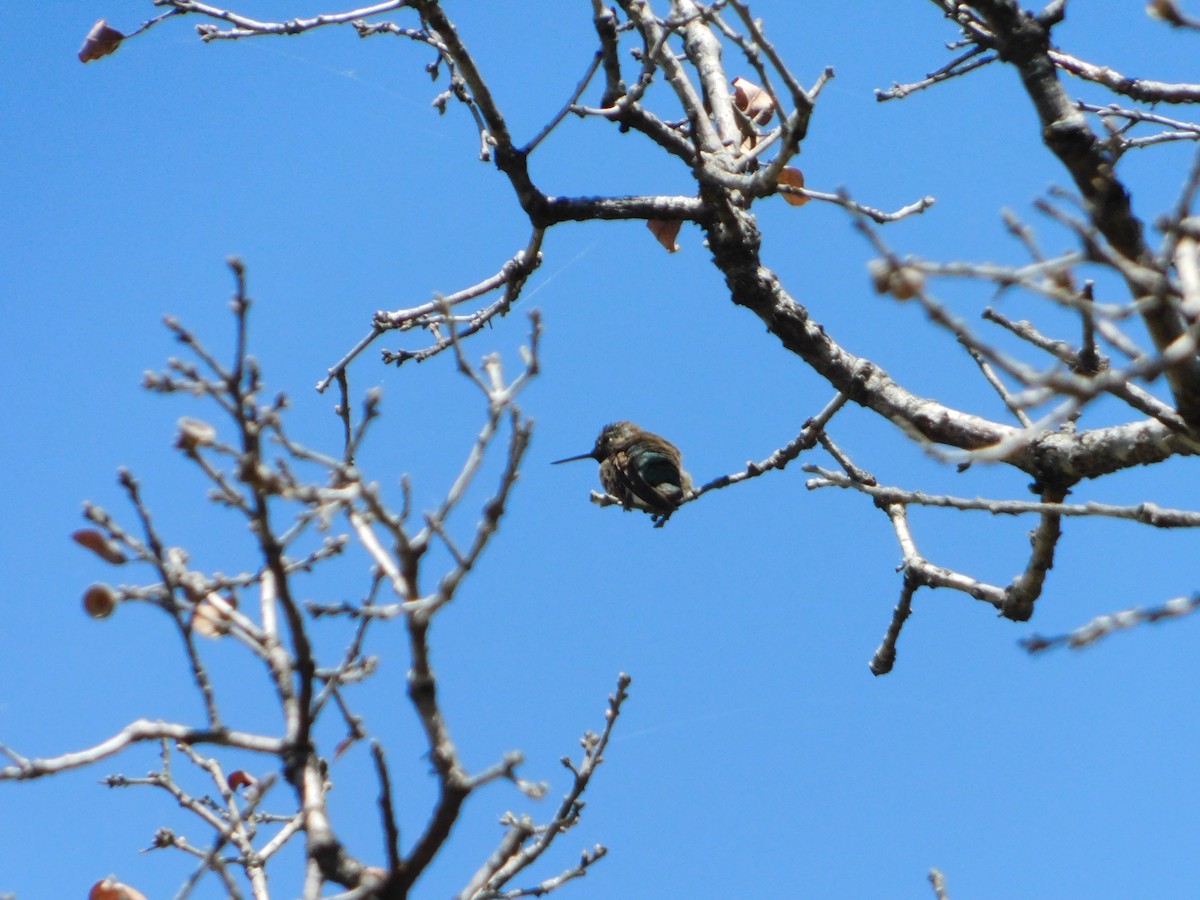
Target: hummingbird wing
x=654 y=477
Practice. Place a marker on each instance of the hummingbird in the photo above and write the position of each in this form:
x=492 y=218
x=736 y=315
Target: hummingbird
x=640 y=469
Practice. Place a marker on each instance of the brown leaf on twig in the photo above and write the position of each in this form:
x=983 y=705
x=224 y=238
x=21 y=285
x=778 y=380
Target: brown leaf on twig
x=209 y=620
x=1062 y=279
x=106 y=549
x=1166 y=10
x=792 y=178
x=99 y=601
x=194 y=433
x=665 y=230
x=879 y=270
x=902 y=282
x=906 y=282
x=114 y=890
x=240 y=778
x=756 y=108
x=100 y=41
x=753 y=101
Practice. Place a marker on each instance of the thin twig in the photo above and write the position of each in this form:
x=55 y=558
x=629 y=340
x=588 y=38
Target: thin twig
x=805 y=440
x=1144 y=513
x=1105 y=625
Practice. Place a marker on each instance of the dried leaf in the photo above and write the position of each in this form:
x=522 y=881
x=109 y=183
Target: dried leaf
x=906 y=282
x=99 y=601
x=902 y=282
x=1166 y=10
x=879 y=270
x=100 y=41
x=1062 y=279
x=108 y=550
x=194 y=433
x=753 y=101
x=108 y=889
x=210 y=619
x=240 y=778
x=665 y=230
x=791 y=177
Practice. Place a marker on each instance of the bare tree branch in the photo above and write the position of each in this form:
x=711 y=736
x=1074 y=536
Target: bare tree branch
x=135 y=732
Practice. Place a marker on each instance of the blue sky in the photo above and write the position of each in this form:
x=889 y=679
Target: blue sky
x=757 y=755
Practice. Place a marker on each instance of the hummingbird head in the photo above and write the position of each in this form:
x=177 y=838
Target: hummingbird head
x=613 y=437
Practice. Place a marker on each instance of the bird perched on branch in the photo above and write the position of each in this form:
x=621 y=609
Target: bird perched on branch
x=639 y=469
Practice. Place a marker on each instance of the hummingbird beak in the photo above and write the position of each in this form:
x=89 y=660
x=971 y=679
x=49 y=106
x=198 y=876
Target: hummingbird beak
x=573 y=458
